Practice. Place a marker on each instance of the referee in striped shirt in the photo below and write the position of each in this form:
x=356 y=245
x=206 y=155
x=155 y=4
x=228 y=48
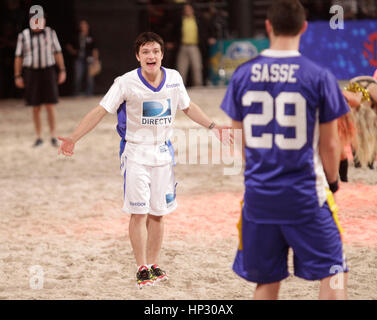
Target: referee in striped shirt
x=37 y=52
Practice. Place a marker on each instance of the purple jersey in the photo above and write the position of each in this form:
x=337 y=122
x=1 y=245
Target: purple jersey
x=281 y=97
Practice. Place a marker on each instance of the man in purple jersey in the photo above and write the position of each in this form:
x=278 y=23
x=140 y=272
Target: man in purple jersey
x=287 y=107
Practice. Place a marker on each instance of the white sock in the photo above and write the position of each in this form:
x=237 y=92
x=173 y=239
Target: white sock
x=142 y=265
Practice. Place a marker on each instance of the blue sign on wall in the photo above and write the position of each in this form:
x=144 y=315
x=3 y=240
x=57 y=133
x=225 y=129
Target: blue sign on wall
x=347 y=52
x=227 y=55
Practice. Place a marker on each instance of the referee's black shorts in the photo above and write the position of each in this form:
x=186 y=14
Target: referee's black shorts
x=41 y=86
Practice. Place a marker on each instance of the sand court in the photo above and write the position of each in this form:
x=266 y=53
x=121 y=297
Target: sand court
x=63 y=234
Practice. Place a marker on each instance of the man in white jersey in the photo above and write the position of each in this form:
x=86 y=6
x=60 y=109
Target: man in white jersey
x=146 y=101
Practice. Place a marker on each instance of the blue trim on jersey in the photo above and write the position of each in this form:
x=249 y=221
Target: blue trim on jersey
x=122 y=120
x=147 y=84
x=122 y=145
x=171 y=150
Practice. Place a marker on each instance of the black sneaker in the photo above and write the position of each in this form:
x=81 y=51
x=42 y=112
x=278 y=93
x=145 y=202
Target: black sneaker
x=38 y=142
x=143 y=277
x=54 y=142
x=158 y=274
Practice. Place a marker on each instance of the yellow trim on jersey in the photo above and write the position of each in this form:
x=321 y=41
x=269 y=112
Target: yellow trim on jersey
x=239 y=227
x=334 y=209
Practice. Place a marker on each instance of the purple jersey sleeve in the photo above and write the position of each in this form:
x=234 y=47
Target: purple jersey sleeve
x=333 y=104
x=230 y=105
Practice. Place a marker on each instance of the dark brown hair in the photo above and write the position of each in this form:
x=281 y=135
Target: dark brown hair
x=146 y=37
x=286 y=17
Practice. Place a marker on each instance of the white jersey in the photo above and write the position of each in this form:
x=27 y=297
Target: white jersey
x=146 y=114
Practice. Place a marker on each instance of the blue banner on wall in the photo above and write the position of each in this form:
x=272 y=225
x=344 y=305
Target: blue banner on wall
x=227 y=55
x=347 y=52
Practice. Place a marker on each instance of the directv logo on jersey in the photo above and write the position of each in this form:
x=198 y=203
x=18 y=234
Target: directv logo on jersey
x=157 y=112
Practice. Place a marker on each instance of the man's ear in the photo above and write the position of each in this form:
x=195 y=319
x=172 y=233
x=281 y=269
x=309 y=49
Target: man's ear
x=268 y=26
x=137 y=57
x=304 y=27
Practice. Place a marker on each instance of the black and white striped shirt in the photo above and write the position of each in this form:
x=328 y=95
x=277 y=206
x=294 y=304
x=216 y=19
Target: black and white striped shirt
x=37 y=49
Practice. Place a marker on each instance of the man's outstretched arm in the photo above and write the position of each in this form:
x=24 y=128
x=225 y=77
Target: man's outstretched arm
x=196 y=114
x=329 y=149
x=86 y=125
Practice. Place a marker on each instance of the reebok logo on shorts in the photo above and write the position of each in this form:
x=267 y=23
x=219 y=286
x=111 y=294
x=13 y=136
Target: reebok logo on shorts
x=157 y=112
x=137 y=204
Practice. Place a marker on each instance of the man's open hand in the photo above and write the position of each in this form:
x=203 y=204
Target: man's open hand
x=66 y=146
x=224 y=134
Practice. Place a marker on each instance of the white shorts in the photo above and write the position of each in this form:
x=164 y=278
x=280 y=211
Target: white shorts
x=148 y=189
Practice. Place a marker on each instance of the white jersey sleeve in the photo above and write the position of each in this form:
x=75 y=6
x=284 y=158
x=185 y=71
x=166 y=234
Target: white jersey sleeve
x=114 y=97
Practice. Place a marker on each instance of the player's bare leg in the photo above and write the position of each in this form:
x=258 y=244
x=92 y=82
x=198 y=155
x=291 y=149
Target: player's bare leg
x=268 y=291
x=334 y=287
x=37 y=120
x=52 y=122
x=155 y=227
x=138 y=237
x=51 y=119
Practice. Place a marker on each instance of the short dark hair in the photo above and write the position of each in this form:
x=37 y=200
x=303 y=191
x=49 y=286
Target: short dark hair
x=146 y=37
x=286 y=17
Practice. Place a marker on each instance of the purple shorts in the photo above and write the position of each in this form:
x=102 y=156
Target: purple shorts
x=317 y=248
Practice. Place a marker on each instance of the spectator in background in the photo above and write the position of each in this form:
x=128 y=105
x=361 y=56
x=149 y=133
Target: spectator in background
x=37 y=53
x=219 y=20
x=84 y=50
x=349 y=6
x=193 y=35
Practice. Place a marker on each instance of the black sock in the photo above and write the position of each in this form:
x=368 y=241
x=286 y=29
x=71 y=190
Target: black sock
x=356 y=161
x=343 y=170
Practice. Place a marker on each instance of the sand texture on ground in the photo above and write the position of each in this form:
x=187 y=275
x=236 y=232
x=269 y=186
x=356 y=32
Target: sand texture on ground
x=61 y=220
